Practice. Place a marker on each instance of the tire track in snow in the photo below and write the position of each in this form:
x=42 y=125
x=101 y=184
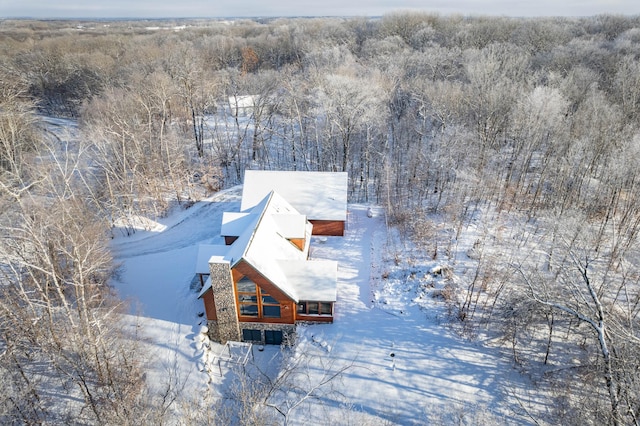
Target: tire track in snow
x=201 y=223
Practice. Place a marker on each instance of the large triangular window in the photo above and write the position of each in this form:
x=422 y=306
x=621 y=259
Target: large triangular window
x=255 y=302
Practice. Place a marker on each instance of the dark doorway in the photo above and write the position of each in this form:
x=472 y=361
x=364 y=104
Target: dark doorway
x=273 y=337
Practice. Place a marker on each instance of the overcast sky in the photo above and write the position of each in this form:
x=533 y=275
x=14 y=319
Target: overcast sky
x=256 y=8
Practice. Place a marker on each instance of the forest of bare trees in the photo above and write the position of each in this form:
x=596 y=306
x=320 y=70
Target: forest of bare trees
x=527 y=127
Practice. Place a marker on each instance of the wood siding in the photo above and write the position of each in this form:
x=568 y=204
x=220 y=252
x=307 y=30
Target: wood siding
x=287 y=306
x=209 y=306
x=328 y=227
x=298 y=242
x=314 y=318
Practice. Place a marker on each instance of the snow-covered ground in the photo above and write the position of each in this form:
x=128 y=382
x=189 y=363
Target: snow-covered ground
x=156 y=268
x=398 y=364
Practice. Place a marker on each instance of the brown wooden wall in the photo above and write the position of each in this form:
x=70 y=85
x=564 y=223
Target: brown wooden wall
x=209 y=305
x=287 y=306
x=314 y=318
x=328 y=227
x=298 y=242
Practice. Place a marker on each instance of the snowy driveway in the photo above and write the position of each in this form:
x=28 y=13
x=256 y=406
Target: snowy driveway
x=404 y=368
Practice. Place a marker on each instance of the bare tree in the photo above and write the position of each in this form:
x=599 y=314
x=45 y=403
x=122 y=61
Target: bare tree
x=60 y=325
x=303 y=379
x=17 y=129
x=580 y=285
x=347 y=103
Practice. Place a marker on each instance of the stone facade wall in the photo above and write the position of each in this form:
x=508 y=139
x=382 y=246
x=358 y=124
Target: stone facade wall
x=227 y=326
x=212 y=330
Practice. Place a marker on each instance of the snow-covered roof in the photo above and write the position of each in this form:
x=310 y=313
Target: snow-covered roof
x=312 y=280
x=234 y=223
x=290 y=225
x=243 y=101
x=265 y=245
x=205 y=253
x=242 y=104
x=318 y=195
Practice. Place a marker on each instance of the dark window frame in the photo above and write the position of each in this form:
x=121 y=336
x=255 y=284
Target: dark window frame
x=249 y=335
x=271 y=311
x=249 y=310
x=254 y=302
x=270 y=306
x=247 y=296
x=273 y=337
x=315 y=308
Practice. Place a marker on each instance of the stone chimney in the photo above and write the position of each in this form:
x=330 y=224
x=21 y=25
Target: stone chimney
x=228 y=326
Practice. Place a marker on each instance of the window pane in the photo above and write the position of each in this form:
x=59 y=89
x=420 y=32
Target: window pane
x=251 y=335
x=245 y=285
x=325 y=308
x=249 y=298
x=271 y=311
x=302 y=308
x=249 y=310
x=273 y=337
x=269 y=299
x=313 y=308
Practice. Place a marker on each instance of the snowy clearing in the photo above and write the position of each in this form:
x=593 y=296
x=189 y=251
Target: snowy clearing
x=400 y=365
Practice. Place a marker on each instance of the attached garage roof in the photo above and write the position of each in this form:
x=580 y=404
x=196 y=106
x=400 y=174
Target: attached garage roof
x=317 y=195
x=313 y=280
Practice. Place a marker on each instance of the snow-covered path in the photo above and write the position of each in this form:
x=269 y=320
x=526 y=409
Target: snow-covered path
x=157 y=266
x=185 y=229
x=405 y=368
